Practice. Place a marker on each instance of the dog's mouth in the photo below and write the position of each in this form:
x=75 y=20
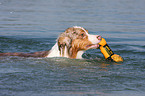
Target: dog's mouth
x=92 y=46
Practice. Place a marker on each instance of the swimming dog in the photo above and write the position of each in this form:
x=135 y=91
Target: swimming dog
x=71 y=44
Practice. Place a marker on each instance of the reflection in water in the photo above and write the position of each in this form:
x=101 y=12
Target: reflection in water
x=93 y=64
x=33 y=25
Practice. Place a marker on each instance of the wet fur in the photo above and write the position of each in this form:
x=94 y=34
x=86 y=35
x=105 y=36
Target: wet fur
x=69 y=43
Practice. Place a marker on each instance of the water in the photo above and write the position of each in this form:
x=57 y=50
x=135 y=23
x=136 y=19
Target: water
x=33 y=25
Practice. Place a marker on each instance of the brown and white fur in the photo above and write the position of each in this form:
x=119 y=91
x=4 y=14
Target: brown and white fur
x=71 y=44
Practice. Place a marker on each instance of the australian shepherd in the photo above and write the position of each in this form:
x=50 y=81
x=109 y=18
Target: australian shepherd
x=71 y=44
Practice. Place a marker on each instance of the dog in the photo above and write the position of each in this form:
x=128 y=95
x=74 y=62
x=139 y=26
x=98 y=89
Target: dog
x=71 y=44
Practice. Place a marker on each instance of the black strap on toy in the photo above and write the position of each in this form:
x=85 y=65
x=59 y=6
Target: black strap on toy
x=109 y=51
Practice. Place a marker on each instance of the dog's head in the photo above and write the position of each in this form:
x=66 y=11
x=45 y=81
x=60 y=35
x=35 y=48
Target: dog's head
x=77 y=39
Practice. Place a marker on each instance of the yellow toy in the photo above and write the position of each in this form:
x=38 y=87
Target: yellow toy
x=108 y=53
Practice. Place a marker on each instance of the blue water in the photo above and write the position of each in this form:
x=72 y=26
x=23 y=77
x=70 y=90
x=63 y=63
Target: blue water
x=33 y=25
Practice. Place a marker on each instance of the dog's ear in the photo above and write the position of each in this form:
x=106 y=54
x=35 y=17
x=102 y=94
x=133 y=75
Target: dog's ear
x=64 y=43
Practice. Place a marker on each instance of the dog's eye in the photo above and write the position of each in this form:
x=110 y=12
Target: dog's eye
x=74 y=32
x=82 y=34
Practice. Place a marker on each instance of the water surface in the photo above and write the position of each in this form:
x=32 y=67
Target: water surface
x=33 y=25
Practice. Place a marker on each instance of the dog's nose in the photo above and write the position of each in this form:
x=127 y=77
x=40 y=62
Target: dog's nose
x=99 y=37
